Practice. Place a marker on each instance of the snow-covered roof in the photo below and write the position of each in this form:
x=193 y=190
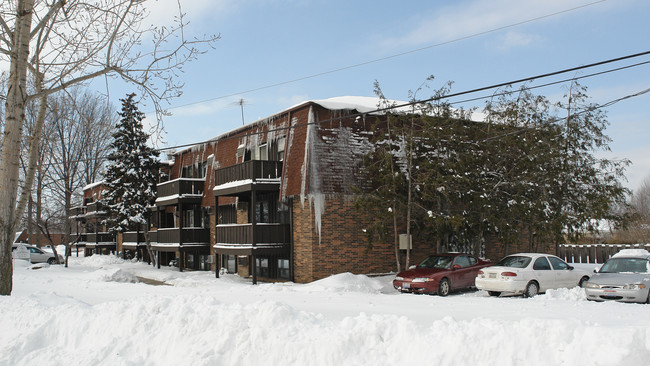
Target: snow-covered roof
x=361 y=104
x=93 y=185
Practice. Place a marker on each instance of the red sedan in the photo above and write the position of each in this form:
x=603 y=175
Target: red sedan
x=440 y=274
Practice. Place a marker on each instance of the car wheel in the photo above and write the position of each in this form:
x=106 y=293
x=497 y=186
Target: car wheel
x=532 y=288
x=51 y=261
x=443 y=287
x=583 y=281
x=494 y=293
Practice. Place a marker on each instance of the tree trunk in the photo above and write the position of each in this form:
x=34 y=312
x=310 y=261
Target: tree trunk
x=14 y=119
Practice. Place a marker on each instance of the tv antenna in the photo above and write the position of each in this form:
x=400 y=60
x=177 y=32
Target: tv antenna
x=241 y=103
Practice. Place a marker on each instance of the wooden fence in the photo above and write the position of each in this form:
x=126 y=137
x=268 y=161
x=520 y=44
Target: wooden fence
x=593 y=253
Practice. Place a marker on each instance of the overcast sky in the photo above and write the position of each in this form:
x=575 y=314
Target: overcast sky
x=473 y=43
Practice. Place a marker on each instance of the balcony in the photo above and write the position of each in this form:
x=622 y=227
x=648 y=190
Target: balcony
x=78 y=239
x=93 y=209
x=243 y=234
x=133 y=237
x=252 y=174
x=100 y=238
x=185 y=189
x=188 y=235
x=77 y=212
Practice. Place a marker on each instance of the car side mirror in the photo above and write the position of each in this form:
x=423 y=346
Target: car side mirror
x=595 y=270
x=570 y=268
x=455 y=267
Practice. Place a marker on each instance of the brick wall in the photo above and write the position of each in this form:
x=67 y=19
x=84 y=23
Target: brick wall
x=342 y=245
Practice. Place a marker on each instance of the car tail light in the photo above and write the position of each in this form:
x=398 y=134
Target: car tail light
x=481 y=272
x=508 y=274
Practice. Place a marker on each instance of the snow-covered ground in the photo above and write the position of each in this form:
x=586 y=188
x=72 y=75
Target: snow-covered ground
x=97 y=312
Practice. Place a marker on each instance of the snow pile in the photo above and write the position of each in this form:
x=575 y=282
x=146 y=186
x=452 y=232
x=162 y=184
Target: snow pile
x=100 y=261
x=567 y=294
x=59 y=316
x=116 y=275
x=347 y=282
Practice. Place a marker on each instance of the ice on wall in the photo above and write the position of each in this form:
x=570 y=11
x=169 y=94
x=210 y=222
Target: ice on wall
x=337 y=151
x=287 y=153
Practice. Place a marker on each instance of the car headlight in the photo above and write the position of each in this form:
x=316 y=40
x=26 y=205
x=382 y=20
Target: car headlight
x=592 y=285
x=634 y=286
x=422 y=279
x=399 y=278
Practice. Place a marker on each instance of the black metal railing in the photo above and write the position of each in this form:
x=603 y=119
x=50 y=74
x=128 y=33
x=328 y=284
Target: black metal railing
x=100 y=238
x=133 y=237
x=252 y=169
x=188 y=235
x=243 y=234
x=180 y=187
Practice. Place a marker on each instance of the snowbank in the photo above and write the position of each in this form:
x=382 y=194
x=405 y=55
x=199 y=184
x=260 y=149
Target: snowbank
x=89 y=315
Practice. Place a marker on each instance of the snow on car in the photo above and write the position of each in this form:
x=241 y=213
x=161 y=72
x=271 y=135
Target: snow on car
x=625 y=277
x=529 y=274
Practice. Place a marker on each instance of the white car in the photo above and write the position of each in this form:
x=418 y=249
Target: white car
x=529 y=274
x=36 y=255
x=624 y=277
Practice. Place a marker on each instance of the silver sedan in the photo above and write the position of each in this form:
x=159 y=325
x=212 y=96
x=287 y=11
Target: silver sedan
x=625 y=277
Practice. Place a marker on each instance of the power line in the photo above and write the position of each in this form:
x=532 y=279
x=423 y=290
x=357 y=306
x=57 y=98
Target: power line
x=510 y=83
x=494 y=86
x=390 y=56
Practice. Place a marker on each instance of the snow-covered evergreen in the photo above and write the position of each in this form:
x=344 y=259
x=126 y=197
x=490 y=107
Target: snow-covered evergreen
x=132 y=172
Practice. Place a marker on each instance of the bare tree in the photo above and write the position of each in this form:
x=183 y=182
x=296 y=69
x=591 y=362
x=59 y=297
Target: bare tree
x=639 y=230
x=63 y=43
x=81 y=125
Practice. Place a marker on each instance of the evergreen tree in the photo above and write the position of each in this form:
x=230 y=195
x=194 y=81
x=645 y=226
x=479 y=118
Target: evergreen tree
x=131 y=176
x=524 y=175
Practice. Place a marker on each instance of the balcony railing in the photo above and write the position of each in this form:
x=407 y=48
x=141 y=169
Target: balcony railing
x=77 y=211
x=133 y=237
x=243 y=234
x=189 y=235
x=80 y=238
x=100 y=238
x=181 y=186
x=92 y=208
x=252 y=169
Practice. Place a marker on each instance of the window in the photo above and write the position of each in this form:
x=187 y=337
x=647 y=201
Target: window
x=263 y=152
x=558 y=264
x=472 y=261
x=205 y=217
x=514 y=261
x=189 y=218
x=541 y=264
x=260 y=152
x=262 y=213
x=262 y=267
x=283 y=269
x=241 y=151
x=462 y=261
x=197 y=170
x=229 y=262
x=280 y=154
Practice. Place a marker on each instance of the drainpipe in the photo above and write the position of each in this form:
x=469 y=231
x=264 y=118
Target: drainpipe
x=253 y=236
x=216 y=222
x=180 y=236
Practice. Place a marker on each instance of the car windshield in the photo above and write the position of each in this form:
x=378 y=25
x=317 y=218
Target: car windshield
x=633 y=265
x=435 y=261
x=516 y=261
